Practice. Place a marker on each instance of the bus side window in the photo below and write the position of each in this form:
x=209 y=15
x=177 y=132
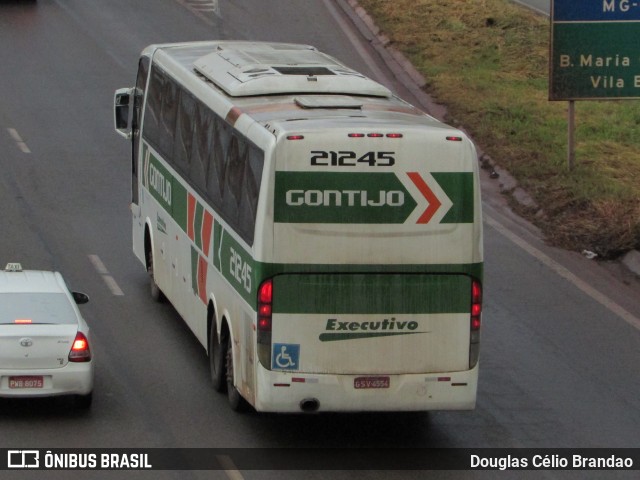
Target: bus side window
x=217 y=161
x=251 y=189
x=202 y=136
x=236 y=160
x=185 y=126
x=245 y=217
x=138 y=100
x=168 y=114
x=154 y=105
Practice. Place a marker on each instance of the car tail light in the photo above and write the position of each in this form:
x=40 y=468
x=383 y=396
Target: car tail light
x=476 y=321
x=80 y=351
x=265 y=309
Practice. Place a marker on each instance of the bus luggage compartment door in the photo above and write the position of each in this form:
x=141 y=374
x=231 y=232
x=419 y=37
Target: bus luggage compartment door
x=371 y=323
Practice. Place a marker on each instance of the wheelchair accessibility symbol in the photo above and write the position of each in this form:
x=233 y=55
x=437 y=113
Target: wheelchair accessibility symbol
x=285 y=356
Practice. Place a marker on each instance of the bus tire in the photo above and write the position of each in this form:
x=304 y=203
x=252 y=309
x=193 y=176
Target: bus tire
x=156 y=293
x=236 y=402
x=217 y=359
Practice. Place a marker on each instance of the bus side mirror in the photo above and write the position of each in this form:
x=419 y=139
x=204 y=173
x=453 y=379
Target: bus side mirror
x=122 y=111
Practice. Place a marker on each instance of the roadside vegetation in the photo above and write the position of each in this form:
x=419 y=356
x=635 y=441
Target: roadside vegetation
x=487 y=61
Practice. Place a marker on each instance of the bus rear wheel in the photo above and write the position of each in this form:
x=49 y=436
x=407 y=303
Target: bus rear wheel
x=156 y=293
x=217 y=359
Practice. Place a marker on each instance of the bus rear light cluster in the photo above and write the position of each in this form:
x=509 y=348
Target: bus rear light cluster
x=476 y=305
x=476 y=321
x=265 y=311
x=265 y=300
x=374 y=135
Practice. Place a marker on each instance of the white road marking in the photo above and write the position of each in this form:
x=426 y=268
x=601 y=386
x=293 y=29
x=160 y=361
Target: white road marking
x=98 y=265
x=106 y=276
x=113 y=286
x=229 y=467
x=18 y=139
x=565 y=273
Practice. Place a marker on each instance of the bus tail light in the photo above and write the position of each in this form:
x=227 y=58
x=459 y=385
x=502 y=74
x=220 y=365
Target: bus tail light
x=476 y=321
x=265 y=305
x=80 y=351
x=375 y=135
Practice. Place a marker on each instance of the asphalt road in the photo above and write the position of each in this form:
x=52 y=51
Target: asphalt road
x=560 y=341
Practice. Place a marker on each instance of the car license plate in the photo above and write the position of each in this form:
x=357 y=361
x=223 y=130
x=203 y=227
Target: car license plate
x=32 y=381
x=371 y=382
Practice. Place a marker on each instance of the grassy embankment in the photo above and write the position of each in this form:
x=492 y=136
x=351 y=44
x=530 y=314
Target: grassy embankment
x=487 y=60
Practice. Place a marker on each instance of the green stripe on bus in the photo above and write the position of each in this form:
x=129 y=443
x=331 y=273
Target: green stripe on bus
x=159 y=181
x=329 y=197
x=474 y=270
x=371 y=293
x=180 y=202
x=458 y=186
x=371 y=198
x=239 y=268
x=168 y=190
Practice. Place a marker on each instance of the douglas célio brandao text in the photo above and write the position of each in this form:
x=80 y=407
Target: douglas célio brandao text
x=551 y=461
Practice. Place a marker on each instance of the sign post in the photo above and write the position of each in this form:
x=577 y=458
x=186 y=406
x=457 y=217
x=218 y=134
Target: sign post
x=595 y=52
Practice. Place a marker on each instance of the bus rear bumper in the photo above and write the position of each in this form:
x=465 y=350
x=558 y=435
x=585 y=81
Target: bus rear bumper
x=298 y=392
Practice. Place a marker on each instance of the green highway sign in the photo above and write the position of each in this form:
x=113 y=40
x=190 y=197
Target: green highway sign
x=595 y=49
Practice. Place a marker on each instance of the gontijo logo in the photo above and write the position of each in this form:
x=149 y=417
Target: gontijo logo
x=157 y=179
x=374 y=198
x=350 y=198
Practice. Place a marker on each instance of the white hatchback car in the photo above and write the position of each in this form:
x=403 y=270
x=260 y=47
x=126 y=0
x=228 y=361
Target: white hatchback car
x=44 y=341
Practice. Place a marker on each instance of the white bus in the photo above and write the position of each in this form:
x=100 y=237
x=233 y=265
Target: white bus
x=321 y=237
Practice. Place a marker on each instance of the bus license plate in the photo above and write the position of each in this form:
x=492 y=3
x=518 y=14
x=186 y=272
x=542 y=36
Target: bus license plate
x=371 y=382
x=26 y=382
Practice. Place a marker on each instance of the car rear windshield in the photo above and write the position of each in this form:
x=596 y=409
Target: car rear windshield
x=34 y=308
